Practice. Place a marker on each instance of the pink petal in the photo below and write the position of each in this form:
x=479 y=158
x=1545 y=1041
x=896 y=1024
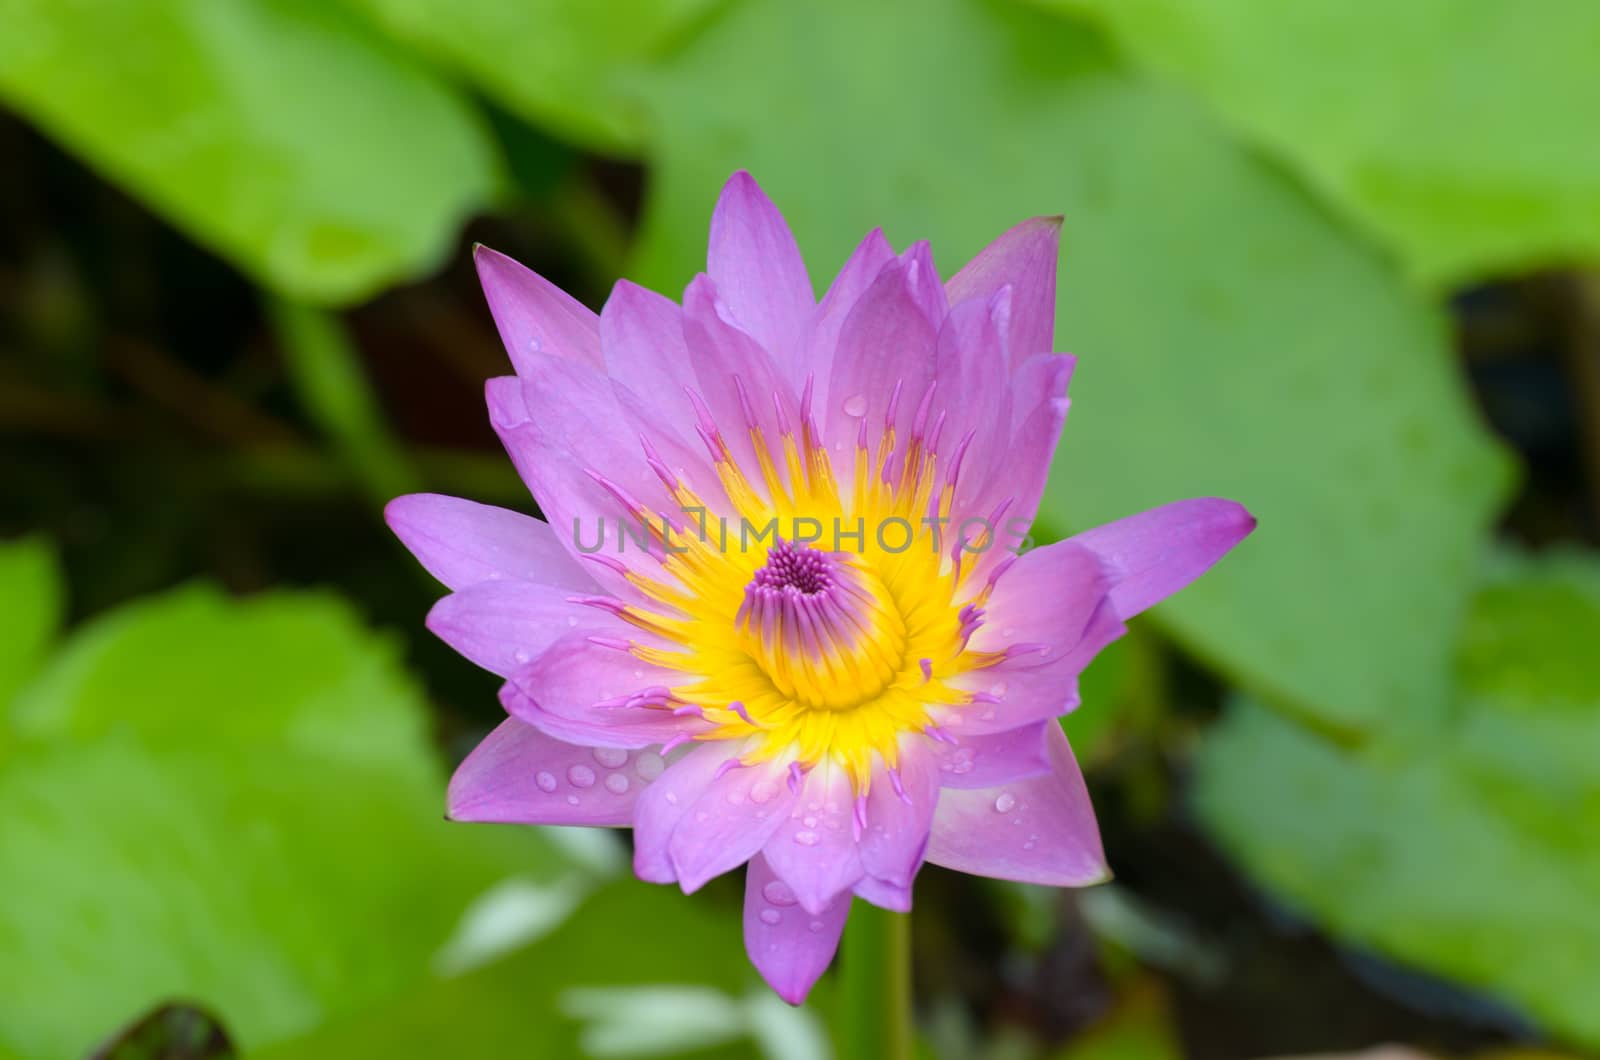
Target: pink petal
x=814 y=849
x=897 y=821
x=1046 y=596
x=883 y=894
x=561 y=433
x=534 y=315
x=462 y=543
x=1155 y=553
x=579 y=691
x=972 y=368
x=1049 y=614
x=756 y=265
x=789 y=946
x=863 y=266
x=1031 y=686
x=664 y=804
x=1024 y=259
x=651 y=375
x=1038 y=408
x=982 y=761
x=1035 y=831
x=502 y=625
x=731 y=820
x=519 y=775
x=887 y=342
x=735 y=377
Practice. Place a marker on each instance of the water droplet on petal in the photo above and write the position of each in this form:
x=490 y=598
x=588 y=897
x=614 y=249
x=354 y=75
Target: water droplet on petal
x=572 y=800
x=672 y=798
x=763 y=791
x=855 y=406
x=616 y=783
x=572 y=620
x=999 y=688
x=1008 y=632
x=1005 y=802
x=809 y=821
x=806 y=839
x=815 y=926
x=521 y=656
x=649 y=765
x=778 y=893
x=770 y=917
x=610 y=757
x=546 y=781
x=580 y=776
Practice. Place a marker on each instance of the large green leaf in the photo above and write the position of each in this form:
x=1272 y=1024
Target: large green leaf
x=1473 y=850
x=277 y=132
x=33 y=597
x=1234 y=340
x=561 y=65
x=230 y=803
x=1462 y=130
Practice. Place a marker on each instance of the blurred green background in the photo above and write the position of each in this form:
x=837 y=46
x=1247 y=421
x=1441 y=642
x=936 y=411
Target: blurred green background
x=1327 y=257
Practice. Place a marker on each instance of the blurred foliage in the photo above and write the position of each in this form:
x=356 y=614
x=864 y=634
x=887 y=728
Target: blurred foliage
x=264 y=128
x=1472 y=847
x=234 y=803
x=563 y=65
x=1456 y=130
x=1204 y=283
x=628 y=941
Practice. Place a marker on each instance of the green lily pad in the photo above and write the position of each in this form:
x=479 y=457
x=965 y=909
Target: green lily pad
x=1233 y=338
x=279 y=133
x=560 y=65
x=639 y=968
x=233 y=804
x=1459 y=130
x=1471 y=850
x=34 y=601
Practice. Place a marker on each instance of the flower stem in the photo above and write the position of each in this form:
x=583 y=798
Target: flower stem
x=875 y=1010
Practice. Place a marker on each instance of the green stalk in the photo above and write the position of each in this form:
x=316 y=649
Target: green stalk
x=333 y=388
x=875 y=1011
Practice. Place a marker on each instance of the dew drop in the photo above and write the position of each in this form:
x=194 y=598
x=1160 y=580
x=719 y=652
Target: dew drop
x=610 y=757
x=672 y=798
x=855 y=406
x=770 y=917
x=987 y=715
x=616 y=783
x=961 y=766
x=806 y=839
x=809 y=821
x=1005 y=802
x=763 y=791
x=649 y=765
x=580 y=776
x=815 y=926
x=521 y=656
x=1008 y=632
x=999 y=688
x=572 y=800
x=1030 y=844
x=572 y=620
x=778 y=893
x=546 y=781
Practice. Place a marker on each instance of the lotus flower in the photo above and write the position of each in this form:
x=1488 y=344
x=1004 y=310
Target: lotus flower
x=780 y=615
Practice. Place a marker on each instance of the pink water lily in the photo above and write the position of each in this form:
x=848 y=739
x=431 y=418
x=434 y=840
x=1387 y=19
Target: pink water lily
x=778 y=614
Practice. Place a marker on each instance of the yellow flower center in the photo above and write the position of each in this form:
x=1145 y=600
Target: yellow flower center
x=808 y=623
